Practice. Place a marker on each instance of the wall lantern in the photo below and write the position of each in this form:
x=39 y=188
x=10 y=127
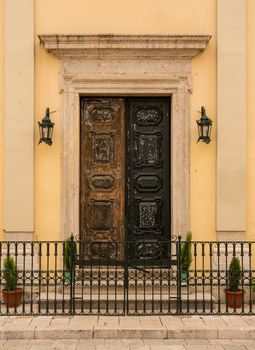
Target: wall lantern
x=46 y=128
x=204 y=125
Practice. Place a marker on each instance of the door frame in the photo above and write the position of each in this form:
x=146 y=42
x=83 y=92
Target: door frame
x=178 y=92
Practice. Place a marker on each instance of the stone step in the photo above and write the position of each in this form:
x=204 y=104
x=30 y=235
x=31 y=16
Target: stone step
x=164 y=327
x=138 y=289
x=136 y=302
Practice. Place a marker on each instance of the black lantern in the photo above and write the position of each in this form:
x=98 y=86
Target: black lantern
x=46 y=128
x=204 y=125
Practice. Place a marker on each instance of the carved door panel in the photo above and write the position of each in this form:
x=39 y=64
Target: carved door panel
x=148 y=176
x=102 y=177
x=119 y=183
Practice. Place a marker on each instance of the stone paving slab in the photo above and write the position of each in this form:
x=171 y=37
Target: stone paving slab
x=124 y=344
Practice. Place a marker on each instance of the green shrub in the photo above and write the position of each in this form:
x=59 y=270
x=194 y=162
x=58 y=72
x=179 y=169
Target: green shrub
x=186 y=255
x=234 y=274
x=253 y=284
x=10 y=273
x=70 y=252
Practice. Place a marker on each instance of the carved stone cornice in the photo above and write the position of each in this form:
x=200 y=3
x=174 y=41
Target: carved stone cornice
x=119 y=46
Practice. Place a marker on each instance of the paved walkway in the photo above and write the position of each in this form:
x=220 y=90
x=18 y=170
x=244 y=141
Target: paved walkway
x=128 y=333
x=129 y=344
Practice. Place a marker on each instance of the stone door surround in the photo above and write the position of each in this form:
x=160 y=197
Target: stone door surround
x=122 y=65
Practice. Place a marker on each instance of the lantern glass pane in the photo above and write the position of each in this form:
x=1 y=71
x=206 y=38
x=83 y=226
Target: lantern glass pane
x=50 y=132
x=209 y=131
x=45 y=131
x=205 y=130
x=199 y=131
x=40 y=131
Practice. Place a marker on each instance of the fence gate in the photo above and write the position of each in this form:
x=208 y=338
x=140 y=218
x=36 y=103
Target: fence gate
x=132 y=286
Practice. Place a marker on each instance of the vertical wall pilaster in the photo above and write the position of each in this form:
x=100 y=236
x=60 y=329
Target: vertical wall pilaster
x=231 y=119
x=19 y=119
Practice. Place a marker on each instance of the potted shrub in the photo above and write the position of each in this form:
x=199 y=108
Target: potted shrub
x=234 y=294
x=70 y=253
x=185 y=258
x=11 y=294
x=253 y=289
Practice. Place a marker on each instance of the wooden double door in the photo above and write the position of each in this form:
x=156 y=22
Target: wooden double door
x=125 y=176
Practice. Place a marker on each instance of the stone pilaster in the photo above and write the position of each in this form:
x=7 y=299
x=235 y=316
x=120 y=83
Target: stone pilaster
x=19 y=120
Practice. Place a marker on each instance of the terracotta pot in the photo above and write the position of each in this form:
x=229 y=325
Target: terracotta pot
x=234 y=299
x=12 y=298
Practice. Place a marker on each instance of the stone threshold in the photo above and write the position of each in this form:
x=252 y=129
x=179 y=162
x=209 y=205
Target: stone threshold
x=128 y=327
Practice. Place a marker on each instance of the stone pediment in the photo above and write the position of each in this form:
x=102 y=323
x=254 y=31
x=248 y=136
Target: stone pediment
x=120 y=46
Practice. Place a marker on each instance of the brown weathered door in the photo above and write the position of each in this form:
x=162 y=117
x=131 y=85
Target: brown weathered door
x=102 y=176
x=125 y=181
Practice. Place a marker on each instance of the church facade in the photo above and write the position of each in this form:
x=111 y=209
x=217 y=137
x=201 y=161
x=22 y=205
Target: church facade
x=126 y=81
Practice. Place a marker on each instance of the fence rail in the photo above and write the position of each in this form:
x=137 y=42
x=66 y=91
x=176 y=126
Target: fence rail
x=127 y=278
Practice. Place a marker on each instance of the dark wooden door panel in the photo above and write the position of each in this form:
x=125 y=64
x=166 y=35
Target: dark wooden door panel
x=148 y=176
x=102 y=176
x=121 y=183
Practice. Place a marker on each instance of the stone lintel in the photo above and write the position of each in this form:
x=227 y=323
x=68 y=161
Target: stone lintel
x=155 y=46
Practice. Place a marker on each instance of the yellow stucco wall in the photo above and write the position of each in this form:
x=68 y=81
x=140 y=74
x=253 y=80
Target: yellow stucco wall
x=47 y=159
x=111 y=16
x=145 y=16
x=251 y=117
x=1 y=112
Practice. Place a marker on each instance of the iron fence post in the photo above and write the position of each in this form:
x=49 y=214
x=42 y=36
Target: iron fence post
x=72 y=278
x=126 y=278
x=178 y=251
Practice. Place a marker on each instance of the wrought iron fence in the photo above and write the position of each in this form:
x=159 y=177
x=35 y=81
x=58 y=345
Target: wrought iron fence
x=127 y=278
